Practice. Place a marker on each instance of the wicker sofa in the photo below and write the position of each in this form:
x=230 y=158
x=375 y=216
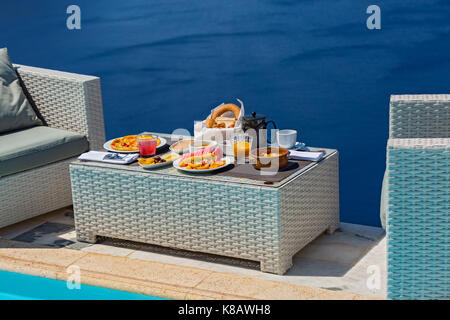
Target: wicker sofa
x=420 y=116
x=66 y=101
x=416 y=197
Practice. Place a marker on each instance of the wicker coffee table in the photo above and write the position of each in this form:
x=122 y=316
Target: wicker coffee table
x=235 y=217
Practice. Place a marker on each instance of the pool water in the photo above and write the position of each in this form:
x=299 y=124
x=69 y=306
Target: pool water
x=16 y=286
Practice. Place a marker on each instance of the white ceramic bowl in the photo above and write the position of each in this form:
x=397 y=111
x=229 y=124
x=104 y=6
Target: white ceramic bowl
x=201 y=144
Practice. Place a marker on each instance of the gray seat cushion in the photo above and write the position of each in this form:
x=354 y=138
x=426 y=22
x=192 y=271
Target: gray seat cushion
x=15 y=110
x=37 y=146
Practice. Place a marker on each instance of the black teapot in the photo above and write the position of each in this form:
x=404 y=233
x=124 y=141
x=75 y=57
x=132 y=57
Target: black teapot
x=256 y=125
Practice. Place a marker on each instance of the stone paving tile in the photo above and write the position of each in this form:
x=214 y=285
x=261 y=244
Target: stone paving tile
x=332 y=283
x=194 y=296
x=164 y=258
x=197 y=263
x=52 y=234
x=6 y=244
x=344 y=237
x=220 y=267
x=234 y=284
x=46 y=255
x=336 y=262
x=366 y=281
x=304 y=267
x=375 y=256
x=336 y=253
x=28 y=267
x=109 y=250
x=17 y=229
x=355 y=281
x=142 y=270
x=64 y=217
x=318 y=274
x=293 y=292
x=369 y=232
x=163 y=254
x=256 y=288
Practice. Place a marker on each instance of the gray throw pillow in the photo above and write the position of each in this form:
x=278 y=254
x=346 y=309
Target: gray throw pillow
x=15 y=110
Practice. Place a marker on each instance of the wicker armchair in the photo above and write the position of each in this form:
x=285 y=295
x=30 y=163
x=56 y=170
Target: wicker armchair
x=417 y=188
x=66 y=101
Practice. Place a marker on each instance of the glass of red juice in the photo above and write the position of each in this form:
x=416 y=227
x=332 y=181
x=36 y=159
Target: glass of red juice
x=146 y=144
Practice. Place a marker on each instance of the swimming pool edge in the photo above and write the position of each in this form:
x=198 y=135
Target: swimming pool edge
x=153 y=278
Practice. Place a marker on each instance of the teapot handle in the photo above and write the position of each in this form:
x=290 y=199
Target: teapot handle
x=274 y=126
x=273 y=123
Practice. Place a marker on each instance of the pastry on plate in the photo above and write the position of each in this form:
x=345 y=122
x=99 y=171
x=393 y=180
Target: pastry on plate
x=127 y=143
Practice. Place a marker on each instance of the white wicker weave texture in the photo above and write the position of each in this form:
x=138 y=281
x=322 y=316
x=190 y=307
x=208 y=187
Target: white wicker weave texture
x=67 y=101
x=418 y=224
x=238 y=220
x=420 y=116
x=418 y=188
x=31 y=193
x=309 y=206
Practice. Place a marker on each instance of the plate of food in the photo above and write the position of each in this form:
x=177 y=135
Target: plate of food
x=128 y=144
x=205 y=160
x=158 y=161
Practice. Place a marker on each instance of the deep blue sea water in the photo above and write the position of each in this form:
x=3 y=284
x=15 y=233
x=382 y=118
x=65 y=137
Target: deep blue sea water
x=310 y=65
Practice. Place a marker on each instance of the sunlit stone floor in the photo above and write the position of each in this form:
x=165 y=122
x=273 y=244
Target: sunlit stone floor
x=351 y=260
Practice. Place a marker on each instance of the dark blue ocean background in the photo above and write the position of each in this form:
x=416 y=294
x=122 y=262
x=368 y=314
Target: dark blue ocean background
x=311 y=65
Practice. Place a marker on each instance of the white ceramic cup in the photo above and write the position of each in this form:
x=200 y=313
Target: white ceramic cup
x=286 y=138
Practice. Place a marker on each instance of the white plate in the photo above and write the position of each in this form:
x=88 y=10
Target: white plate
x=107 y=146
x=228 y=161
x=161 y=164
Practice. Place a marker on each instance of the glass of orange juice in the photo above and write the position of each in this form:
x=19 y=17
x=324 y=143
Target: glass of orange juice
x=242 y=145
